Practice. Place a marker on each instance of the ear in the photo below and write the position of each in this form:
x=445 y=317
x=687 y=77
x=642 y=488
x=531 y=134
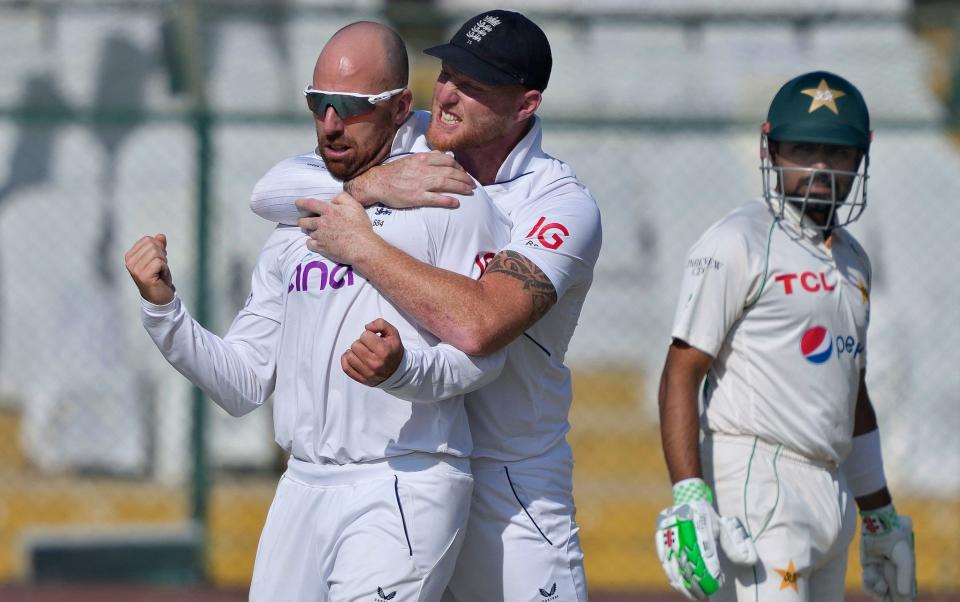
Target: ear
x=403 y=107
x=528 y=104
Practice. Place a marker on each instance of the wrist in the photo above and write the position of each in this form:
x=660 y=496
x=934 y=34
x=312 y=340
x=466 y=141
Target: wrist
x=160 y=311
x=400 y=374
x=691 y=490
x=874 y=500
x=357 y=190
x=370 y=250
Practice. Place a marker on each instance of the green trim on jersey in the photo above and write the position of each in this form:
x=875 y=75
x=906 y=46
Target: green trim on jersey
x=766 y=266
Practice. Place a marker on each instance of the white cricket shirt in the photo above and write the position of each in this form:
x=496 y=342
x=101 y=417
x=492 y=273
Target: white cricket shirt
x=785 y=318
x=304 y=311
x=556 y=224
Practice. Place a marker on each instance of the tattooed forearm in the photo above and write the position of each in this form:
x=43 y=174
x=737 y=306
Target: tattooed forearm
x=515 y=265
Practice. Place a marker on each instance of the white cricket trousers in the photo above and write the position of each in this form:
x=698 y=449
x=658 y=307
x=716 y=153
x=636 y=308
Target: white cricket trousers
x=799 y=512
x=381 y=531
x=523 y=542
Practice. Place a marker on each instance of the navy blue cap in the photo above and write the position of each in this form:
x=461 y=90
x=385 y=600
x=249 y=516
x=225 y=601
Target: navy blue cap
x=499 y=47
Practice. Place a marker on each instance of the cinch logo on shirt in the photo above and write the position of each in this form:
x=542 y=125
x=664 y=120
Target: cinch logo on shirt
x=318 y=275
x=547 y=234
x=816 y=345
x=809 y=281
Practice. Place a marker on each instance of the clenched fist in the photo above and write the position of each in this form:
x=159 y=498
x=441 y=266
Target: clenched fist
x=147 y=263
x=374 y=357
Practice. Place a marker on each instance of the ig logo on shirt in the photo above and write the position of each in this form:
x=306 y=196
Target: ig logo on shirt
x=550 y=235
x=816 y=345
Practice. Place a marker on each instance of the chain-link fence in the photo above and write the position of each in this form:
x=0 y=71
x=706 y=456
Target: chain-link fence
x=113 y=125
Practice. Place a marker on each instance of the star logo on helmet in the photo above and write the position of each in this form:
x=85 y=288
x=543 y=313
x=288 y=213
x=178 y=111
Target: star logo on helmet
x=823 y=96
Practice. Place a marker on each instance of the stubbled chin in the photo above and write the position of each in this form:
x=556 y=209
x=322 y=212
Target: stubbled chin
x=440 y=141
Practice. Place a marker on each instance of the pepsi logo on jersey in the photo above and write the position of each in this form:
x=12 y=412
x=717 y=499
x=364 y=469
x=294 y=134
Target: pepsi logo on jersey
x=335 y=277
x=817 y=345
x=809 y=281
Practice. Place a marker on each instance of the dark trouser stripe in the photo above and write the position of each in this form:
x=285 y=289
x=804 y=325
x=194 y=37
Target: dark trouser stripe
x=514 y=490
x=403 y=519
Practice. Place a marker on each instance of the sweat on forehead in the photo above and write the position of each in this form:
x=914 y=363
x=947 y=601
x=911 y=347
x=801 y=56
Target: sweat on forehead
x=362 y=57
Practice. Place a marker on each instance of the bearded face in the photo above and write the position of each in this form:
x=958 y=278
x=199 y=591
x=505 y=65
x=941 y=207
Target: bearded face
x=467 y=114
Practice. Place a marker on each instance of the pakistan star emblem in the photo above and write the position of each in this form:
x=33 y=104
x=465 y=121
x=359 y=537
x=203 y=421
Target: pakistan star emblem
x=864 y=292
x=823 y=96
x=789 y=577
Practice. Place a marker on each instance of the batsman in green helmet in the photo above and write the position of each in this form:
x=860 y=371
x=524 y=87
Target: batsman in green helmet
x=815 y=150
x=768 y=430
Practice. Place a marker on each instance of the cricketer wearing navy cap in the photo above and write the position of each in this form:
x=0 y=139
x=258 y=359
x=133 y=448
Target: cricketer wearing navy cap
x=499 y=47
x=522 y=540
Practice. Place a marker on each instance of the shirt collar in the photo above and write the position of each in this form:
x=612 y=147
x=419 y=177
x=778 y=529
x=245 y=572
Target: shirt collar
x=409 y=134
x=518 y=161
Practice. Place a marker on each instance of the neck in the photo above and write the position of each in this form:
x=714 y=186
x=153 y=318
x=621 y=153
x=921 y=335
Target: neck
x=483 y=162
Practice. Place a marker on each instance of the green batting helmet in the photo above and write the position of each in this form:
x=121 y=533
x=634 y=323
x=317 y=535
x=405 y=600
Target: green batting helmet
x=818 y=108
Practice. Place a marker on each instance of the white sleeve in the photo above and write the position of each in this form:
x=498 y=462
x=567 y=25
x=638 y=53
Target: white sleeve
x=238 y=371
x=716 y=284
x=561 y=233
x=459 y=240
x=441 y=372
x=298 y=177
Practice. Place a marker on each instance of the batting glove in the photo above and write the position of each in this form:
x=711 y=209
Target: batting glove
x=887 y=555
x=687 y=535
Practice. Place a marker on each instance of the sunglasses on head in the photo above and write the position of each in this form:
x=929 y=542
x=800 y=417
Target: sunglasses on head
x=346 y=104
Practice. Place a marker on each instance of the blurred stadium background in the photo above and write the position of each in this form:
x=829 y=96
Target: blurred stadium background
x=120 y=118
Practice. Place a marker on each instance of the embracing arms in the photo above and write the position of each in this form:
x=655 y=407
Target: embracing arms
x=476 y=316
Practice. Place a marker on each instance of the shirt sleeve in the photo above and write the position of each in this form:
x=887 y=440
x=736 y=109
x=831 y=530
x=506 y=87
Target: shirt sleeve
x=441 y=372
x=460 y=240
x=561 y=233
x=298 y=177
x=714 y=290
x=238 y=371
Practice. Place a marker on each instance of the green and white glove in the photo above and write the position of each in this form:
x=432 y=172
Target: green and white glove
x=686 y=540
x=887 y=555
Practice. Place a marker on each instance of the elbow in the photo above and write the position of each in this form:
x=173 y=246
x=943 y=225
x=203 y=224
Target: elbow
x=238 y=410
x=476 y=340
x=241 y=403
x=472 y=346
x=485 y=346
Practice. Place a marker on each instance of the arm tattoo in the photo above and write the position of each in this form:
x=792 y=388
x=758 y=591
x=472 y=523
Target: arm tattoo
x=515 y=265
